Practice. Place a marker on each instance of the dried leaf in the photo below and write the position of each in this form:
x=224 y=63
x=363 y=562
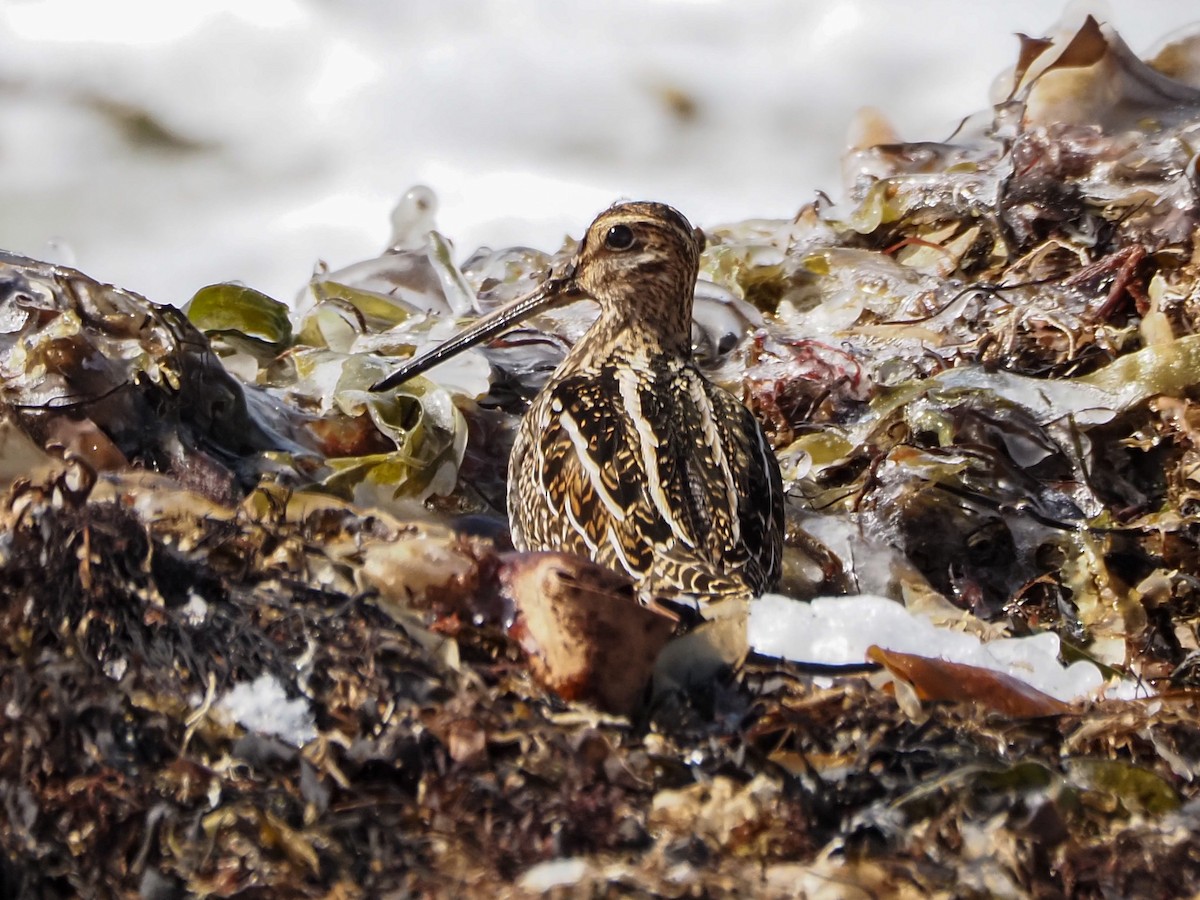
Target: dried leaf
x=938 y=679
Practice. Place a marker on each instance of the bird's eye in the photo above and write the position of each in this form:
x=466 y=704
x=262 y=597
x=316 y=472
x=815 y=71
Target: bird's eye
x=619 y=237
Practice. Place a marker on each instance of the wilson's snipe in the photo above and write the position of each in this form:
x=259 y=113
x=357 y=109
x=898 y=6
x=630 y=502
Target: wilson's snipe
x=629 y=455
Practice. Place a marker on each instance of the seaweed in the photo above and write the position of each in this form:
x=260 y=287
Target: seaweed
x=263 y=634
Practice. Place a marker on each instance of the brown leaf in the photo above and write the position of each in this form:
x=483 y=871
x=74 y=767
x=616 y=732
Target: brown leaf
x=939 y=679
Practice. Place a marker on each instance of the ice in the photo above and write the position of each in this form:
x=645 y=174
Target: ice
x=838 y=631
x=1047 y=400
x=413 y=218
x=554 y=873
x=262 y=705
x=195 y=611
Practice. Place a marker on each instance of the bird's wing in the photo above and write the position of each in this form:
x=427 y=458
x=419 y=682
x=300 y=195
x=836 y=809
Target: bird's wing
x=760 y=508
x=578 y=483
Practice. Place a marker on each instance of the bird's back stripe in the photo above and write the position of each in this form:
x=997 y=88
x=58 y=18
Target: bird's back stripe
x=629 y=386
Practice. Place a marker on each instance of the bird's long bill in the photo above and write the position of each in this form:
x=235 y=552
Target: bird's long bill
x=485 y=327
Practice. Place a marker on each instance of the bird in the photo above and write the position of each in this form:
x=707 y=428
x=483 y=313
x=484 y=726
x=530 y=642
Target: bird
x=629 y=455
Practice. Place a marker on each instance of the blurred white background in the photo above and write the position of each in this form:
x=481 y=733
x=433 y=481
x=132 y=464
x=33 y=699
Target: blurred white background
x=163 y=146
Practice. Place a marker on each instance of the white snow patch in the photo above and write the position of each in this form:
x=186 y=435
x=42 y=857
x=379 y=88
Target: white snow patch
x=838 y=631
x=552 y=874
x=262 y=705
x=195 y=611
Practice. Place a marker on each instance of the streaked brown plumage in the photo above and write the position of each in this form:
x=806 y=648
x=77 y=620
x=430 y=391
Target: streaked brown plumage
x=629 y=455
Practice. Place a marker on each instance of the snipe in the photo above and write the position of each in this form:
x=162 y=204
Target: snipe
x=629 y=455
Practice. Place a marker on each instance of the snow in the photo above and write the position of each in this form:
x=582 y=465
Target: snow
x=262 y=705
x=838 y=631
x=195 y=611
x=554 y=873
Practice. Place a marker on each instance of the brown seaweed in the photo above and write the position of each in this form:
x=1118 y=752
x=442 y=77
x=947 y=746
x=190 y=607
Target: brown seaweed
x=979 y=373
